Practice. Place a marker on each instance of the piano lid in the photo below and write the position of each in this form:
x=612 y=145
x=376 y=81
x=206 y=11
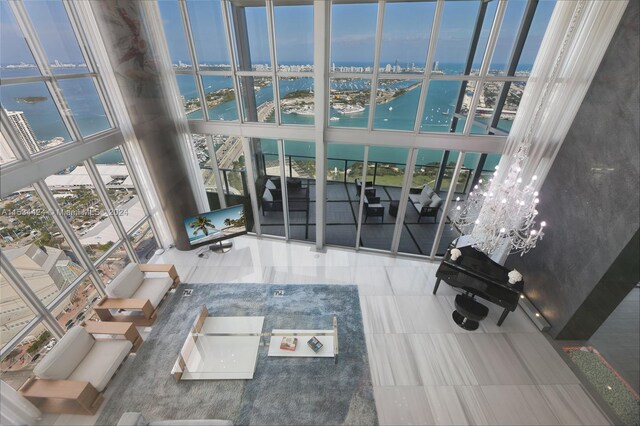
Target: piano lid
x=479 y=264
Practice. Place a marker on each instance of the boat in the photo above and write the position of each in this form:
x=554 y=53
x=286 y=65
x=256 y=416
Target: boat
x=446 y=113
x=390 y=108
x=348 y=109
x=334 y=119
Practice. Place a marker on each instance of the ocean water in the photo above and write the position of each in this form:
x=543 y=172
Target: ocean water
x=397 y=114
x=43 y=116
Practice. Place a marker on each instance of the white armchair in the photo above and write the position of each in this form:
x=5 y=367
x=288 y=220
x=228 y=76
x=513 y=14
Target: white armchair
x=135 y=290
x=72 y=376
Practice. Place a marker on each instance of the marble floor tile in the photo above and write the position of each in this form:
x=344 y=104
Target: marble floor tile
x=372 y=280
x=493 y=360
x=408 y=280
x=516 y=322
x=572 y=405
x=392 y=361
x=518 y=405
x=380 y=315
x=406 y=405
x=458 y=405
x=295 y=274
x=425 y=369
x=220 y=274
x=541 y=360
x=422 y=314
x=440 y=360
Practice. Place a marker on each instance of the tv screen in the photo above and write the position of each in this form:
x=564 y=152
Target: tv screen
x=217 y=225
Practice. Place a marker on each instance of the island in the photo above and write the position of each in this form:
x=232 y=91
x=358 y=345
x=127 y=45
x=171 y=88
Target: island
x=31 y=99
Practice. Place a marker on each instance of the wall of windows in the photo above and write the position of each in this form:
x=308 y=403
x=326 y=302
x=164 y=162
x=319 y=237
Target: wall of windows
x=412 y=74
x=421 y=59
x=64 y=236
x=396 y=70
x=64 y=239
x=51 y=94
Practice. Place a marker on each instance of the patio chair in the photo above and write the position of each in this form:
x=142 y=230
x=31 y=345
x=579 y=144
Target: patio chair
x=373 y=208
x=369 y=189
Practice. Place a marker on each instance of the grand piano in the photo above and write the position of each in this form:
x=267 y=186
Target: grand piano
x=474 y=272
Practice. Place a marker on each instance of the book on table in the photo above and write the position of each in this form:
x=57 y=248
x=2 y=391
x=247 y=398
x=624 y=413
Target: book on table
x=289 y=343
x=314 y=344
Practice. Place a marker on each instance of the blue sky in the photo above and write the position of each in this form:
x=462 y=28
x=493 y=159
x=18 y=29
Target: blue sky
x=406 y=32
x=58 y=40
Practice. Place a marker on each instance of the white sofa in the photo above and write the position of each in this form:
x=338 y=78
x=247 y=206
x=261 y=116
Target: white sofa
x=79 y=356
x=71 y=377
x=137 y=419
x=138 y=289
x=427 y=203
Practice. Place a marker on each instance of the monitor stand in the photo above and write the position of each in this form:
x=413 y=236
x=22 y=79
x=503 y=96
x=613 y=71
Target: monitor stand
x=221 y=247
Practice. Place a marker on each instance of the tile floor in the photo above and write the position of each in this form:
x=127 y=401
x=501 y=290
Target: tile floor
x=424 y=368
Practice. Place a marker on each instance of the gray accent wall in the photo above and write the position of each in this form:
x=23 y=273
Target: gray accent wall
x=135 y=64
x=588 y=260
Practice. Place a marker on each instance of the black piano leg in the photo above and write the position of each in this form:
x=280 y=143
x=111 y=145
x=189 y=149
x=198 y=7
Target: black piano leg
x=435 y=287
x=502 y=317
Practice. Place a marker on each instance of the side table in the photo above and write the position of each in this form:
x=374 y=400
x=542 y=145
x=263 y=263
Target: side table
x=393 y=207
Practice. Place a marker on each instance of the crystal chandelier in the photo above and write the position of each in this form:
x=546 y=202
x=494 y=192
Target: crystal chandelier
x=501 y=213
x=498 y=214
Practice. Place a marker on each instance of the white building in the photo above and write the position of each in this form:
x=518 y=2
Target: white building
x=47 y=270
x=24 y=131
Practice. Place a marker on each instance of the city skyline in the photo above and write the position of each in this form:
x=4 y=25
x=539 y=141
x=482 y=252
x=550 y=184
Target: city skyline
x=406 y=33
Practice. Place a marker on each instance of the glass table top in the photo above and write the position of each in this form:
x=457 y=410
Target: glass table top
x=228 y=347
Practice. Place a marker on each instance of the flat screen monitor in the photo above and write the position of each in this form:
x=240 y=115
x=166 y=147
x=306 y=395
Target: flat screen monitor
x=216 y=226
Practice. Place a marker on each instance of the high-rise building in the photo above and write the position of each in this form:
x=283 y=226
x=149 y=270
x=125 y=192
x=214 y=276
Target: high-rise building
x=47 y=271
x=24 y=130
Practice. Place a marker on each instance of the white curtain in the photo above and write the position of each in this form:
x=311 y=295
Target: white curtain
x=575 y=42
x=15 y=409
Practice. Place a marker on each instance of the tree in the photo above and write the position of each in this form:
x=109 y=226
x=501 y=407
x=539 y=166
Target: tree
x=227 y=222
x=201 y=224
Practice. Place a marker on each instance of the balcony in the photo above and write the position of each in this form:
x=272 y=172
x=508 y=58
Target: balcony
x=418 y=233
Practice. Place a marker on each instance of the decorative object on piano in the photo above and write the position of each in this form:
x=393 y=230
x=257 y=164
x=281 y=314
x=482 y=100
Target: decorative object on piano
x=455 y=254
x=498 y=213
x=314 y=344
x=289 y=343
x=514 y=277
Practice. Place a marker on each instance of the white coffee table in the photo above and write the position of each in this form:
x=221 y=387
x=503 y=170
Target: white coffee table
x=219 y=348
x=326 y=337
x=227 y=348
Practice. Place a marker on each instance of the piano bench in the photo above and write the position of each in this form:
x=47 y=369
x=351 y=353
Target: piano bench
x=468 y=312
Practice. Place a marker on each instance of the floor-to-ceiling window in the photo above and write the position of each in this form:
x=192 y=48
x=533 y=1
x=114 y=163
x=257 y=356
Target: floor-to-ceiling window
x=300 y=173
x=344 y=175
x=67 y=232
x=417 y=72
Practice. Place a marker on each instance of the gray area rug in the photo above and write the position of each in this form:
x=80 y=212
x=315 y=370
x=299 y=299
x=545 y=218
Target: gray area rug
x=283 y=391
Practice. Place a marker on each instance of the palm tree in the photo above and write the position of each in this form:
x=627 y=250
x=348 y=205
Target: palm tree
x=228 y=222
x=201 y=224
x=242 y=221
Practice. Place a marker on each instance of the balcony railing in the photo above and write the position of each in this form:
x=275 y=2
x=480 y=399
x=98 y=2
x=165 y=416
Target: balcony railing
x=381 y=173
x=345 y=170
